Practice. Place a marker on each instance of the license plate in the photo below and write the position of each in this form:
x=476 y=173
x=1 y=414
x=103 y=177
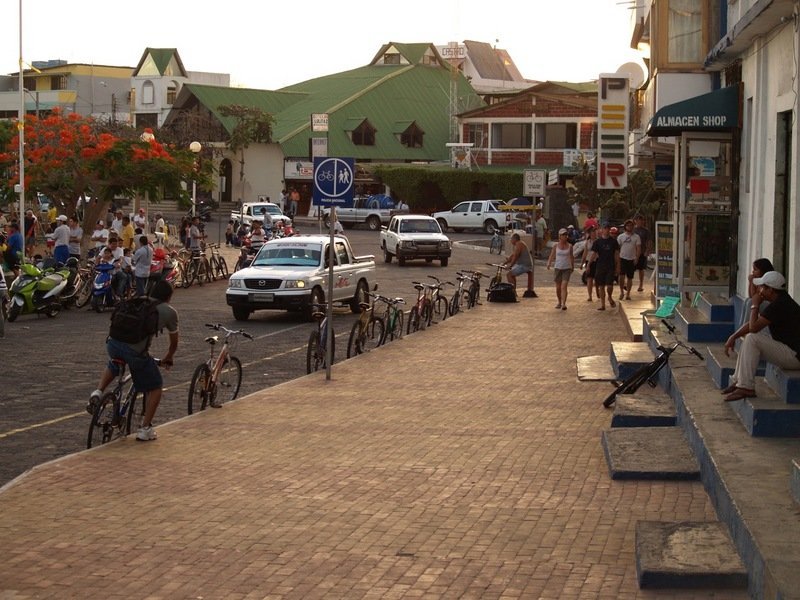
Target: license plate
x=263 y=296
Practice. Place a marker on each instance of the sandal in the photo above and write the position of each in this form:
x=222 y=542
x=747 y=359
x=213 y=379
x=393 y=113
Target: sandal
x=728 y=390
x=740 y=394
x=611 y=302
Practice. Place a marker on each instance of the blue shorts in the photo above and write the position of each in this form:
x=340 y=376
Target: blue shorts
x=144 y=370
x=518 y=270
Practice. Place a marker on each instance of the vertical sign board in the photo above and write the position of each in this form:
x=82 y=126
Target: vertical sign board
x=534 y=182
x=666 y=284
x=333 y=181
x=613 y=122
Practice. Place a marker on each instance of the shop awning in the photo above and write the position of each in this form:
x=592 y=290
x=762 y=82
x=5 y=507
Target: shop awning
x=716 y=111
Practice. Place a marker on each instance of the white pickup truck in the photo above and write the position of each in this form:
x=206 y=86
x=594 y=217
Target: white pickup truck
x=373 y=210
x=411 y=237
x=256 y=210
x=474 y=214
x=292 y=274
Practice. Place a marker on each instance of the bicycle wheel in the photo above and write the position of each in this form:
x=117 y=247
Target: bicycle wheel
x=84 y=293
x=185 y=274
x=101 y=428
x=474 y=294
x=355 y=341
x=496 y=245
x=315 y=354
x=426 y=317
x=222 y=268
x=441 y=309
x=230 y=379
x=208 y=272
x=198 y=395
x=413 y=320
x=136 y=411
x=396 y=331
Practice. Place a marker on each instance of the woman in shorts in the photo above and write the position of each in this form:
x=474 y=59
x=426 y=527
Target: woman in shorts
x=563 y=261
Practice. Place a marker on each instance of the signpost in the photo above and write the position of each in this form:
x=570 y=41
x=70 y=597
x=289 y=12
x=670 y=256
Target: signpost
x=333 y=186
x=535 y=182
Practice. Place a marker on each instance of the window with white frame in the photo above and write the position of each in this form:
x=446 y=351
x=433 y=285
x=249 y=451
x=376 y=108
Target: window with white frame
x=556 y=136
x=511 y=135
x=474 y=135
x=148 y=93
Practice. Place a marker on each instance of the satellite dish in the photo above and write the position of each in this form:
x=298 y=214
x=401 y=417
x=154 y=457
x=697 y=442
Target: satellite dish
x=634 y=72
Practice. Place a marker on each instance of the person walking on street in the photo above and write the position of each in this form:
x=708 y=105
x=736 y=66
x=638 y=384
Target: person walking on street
x=540 y=229
x=780 y=348
x=589 y=266
x=644 y=236
x=521 y=262
x=564 y=262
x=142 y=260
x=605 y=252
x=143 y=368
x=630 y=249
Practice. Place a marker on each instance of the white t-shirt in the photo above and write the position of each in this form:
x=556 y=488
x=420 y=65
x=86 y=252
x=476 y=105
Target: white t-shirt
x=139 y=220
x=100 y=237
x=627 y=245
x=61 y=235
x=116 y=225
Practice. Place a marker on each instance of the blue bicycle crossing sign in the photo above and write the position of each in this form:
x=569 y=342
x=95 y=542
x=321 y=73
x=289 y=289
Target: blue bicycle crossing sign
x=333 y=181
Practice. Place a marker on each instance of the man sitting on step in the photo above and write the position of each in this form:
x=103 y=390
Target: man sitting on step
x=781 y=347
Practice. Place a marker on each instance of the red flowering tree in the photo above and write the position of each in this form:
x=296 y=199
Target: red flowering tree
x=67 y=157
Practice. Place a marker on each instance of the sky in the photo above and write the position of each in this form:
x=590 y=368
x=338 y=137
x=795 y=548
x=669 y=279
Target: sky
x=269 y=45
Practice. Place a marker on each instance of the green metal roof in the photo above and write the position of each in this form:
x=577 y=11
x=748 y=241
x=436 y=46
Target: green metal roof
x=387 y=96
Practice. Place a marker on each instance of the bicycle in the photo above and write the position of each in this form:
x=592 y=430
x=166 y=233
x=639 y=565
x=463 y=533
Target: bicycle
x=474 y=287
x=440 y=307
x=498 y=241
x=221 y=373
x=393 y=318
x=418 y=317
x=647 y=373
x=367 y=332
x=461 y=297
x=318 y=340
x=116 y=413
x=217 y=264
x=199 y=269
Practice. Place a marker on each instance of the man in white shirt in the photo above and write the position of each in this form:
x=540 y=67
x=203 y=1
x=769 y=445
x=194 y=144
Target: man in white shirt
x=140 y=221
x=161 y=229
x=116 y=224
x=75 y=237
x=630 y=249
x=99 y=236
x=61 y=240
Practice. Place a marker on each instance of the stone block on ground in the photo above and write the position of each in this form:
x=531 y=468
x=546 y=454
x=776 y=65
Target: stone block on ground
x=644 y=410
x=687 y=555
x=649 y=453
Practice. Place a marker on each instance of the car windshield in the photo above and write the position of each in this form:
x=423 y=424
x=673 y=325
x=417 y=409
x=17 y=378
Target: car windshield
x=260 y=209
x=419 y=226
x=288 y=255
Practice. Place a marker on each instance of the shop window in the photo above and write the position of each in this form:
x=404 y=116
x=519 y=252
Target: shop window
x=682 y=33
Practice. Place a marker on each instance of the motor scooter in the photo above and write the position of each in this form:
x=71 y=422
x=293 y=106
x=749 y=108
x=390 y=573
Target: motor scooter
x=38 y=291
x=102 y=289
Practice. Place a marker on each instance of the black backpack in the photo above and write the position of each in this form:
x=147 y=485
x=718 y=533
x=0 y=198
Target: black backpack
x=502 y=292
x=134 y=320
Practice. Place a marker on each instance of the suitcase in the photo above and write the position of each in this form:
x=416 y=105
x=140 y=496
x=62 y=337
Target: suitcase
x=502 y=292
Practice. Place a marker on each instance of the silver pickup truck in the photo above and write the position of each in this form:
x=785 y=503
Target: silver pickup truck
x=292 y=274
x=373 y=210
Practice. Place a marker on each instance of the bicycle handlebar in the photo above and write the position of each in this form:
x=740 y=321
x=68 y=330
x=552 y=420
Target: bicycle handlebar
x=221 y=327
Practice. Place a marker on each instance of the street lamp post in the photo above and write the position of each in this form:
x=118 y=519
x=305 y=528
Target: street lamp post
x=21 y=130
x=195 y=147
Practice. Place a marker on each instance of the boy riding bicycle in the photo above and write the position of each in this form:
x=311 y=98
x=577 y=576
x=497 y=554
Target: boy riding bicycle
x=144 y=371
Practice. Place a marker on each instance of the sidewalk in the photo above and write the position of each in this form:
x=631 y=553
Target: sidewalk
x=461 y=461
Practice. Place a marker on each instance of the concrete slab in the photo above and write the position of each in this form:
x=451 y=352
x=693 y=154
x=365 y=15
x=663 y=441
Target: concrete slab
x=644 y=410
x=649 y=453
x=595 y=368
x=795 y=478
x=628 y=357
x=687 y=555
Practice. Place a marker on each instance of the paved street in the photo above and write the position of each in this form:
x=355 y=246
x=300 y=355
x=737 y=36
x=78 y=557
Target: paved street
x=55 y=363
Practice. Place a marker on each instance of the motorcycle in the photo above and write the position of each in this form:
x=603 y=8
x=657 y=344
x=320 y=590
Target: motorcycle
x=38 y=290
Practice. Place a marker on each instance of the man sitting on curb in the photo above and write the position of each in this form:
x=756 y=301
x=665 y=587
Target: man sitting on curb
x=521 y=262
x=781 y=347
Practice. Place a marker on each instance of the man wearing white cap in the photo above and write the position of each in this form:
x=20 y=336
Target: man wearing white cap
x=781 y=347
x=61 y=239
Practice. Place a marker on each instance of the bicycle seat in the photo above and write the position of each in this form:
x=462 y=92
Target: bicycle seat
x=119 y=362
x=399 y=301
x=364 y=305
x=212 y=339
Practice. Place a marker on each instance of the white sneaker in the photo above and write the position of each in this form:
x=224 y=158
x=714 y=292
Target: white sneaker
x=146 y=434
x=94 y=400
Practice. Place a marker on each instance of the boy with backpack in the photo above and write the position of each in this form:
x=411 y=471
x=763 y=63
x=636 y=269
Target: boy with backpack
x=133 y=324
